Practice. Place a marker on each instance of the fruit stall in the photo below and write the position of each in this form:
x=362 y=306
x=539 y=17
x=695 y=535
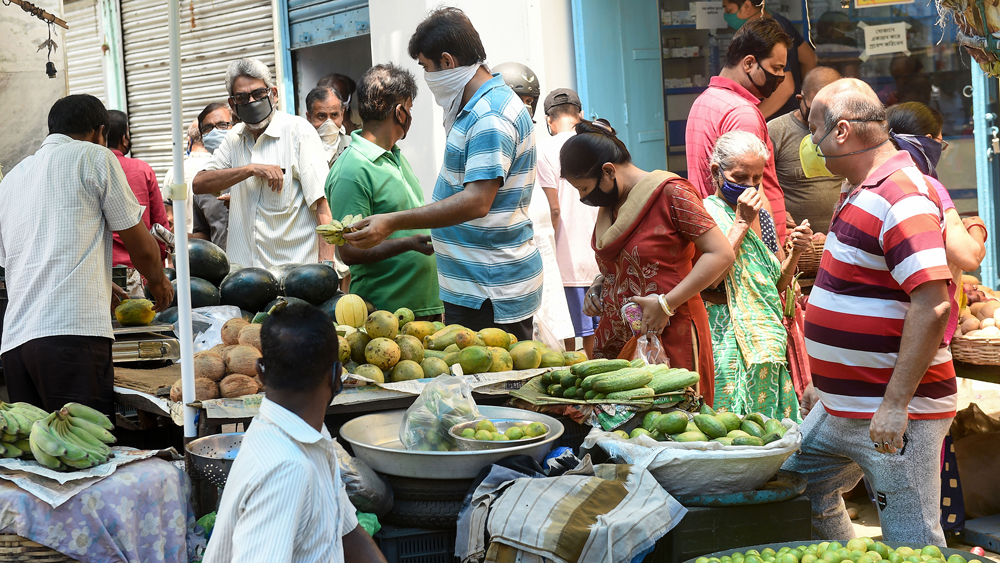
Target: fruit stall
x=976 y=345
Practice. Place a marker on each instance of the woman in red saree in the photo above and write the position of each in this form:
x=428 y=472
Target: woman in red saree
x=655 y=245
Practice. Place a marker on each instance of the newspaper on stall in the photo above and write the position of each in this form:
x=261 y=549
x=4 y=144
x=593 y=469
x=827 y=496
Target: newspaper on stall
x=496 y=383
x=57 y=487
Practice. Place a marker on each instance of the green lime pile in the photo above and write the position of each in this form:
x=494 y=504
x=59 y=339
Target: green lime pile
x=486 y=431
x=858 y=550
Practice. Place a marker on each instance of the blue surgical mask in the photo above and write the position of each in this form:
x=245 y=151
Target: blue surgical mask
x=213 y=139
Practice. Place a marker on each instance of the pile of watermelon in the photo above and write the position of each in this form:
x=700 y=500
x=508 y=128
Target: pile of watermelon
x=215 y=281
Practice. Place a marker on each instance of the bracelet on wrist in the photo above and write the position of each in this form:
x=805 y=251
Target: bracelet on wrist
x=662 y=299
x=981 y=226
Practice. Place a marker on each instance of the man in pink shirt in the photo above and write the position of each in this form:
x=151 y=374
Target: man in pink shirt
x=141 y=179
x=755 y=66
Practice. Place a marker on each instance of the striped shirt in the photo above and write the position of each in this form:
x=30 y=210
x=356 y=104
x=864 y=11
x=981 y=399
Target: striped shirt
x=269 y=228
x=493 y=257
x=885 y=241
x=58 y=208
x=726 y=106
x=284 y=500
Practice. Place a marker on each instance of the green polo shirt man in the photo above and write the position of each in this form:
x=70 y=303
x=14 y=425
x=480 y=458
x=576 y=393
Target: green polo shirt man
x=373 y=177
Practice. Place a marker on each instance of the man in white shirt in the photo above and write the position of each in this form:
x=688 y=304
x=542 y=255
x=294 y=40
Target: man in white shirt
x=574 y=222
x=275 y=164
x=325 y=111
x=58 y=209
x=284 y=500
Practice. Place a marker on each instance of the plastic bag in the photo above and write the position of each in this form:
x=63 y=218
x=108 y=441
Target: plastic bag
x=650 y=351
x=367 y=491
x=206 y=325
x=444 y=402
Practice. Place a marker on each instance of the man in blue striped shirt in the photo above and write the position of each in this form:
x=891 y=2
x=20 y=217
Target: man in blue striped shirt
x=488 y=268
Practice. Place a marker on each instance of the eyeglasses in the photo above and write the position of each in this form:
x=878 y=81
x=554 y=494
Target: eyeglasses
x=222 y=126
x=243 y=98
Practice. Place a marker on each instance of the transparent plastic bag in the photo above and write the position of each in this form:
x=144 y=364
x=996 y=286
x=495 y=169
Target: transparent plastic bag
x=444 y=402
x=367 y=491
x=650 y=351
x=206 y=325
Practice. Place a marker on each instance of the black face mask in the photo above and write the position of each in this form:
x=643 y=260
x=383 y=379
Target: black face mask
x=805 y=113
x=404 y=124
x=256 y=111
x=600 y=198
x=771 y=82
x=127 y=148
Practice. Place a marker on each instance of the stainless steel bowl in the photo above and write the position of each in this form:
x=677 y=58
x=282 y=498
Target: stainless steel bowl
x=375 y=439
x=213 y=456
x=502 y=425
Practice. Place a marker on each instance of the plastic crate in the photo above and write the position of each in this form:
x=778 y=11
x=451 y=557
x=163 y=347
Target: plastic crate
x=573 y=434
x=707 y=530
x=412 y=545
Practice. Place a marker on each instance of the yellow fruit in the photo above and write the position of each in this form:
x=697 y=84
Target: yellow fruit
x=358 y=341
x=382 y=353
x=410 y=348
x=419 y=329
x=406 y=370
x=495 y=337
x=501 y=360
x=371 y=372
x=551 y=360
x=344 y=349
x=351 y=311
x=513 y=339
x=433 y=367
x=571 y=358
x=526 y=356
x=382 y=324
x=451 y=359
x=135 y=312
x=475 y=359
x=466 y=338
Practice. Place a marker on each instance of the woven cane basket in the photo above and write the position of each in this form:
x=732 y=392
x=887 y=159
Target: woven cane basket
x=979 y=351
x=16 y=548
x=810 y=259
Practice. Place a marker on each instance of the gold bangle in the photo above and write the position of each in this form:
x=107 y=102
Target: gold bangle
x=662 y=299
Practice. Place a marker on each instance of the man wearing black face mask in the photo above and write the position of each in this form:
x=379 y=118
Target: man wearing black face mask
x=371 y=177
x=275 y=165
x=142 y=180
x=755 y=66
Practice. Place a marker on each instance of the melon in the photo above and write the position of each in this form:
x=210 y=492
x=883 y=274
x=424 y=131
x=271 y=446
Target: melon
x=135 y=312
x=203 y=293
x=207 y=261
x=279 y=273
x=330 y=306
x=314 y=283
x=351 y=311
x=250 y=289
x=167 y=316
x=289 y=300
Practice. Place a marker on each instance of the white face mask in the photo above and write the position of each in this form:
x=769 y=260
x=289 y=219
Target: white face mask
x=448 y=85
x=330 y=133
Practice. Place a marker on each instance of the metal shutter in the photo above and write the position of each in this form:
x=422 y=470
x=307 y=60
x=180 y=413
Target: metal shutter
x=213 y=34
x=85 y=49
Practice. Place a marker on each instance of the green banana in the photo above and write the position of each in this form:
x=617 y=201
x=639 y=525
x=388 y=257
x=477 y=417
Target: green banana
x=21 y=424
x=45 y=441
x=41 y=456
x=29 y=410
x=83 y=411
x=25 y=447
x=10 y=450
x=100 y=453
x=73 y=452
x=91 y=443
x=86 y=463
x=9 y=438
x=93 y=429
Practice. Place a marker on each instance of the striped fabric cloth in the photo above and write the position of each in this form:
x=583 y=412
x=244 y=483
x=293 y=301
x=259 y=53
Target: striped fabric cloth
x=58 y=208
x=492 y=257
x=284 y=500
x=269 y=228
x=884 y=242
x=605 y=513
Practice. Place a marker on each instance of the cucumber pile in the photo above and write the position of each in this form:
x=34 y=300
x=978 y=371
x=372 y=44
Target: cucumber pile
x=726 y=428
x=615 y=380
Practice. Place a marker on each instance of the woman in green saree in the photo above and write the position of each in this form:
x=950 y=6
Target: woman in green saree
x=749 y=340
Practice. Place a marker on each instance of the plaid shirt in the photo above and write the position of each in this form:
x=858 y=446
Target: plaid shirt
x=58 y=208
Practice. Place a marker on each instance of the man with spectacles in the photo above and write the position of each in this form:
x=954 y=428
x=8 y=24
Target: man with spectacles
x=275 y=166
x=205 y=134
x=284 y=499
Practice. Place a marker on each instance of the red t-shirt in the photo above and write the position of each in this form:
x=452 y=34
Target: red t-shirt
x=142 y=180
x=726 y=106
x=886 y=240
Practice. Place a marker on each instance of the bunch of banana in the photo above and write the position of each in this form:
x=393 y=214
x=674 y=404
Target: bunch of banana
x=15 y=425
x=333 y=233
x=73 y=437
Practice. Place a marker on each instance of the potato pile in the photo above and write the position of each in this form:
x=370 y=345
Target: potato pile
x=229 y=369
x=982 y=315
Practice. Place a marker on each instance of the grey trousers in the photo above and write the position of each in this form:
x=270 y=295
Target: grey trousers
x=837 y=452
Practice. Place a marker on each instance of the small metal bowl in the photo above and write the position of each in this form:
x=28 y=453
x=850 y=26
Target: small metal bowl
x=501 y=424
